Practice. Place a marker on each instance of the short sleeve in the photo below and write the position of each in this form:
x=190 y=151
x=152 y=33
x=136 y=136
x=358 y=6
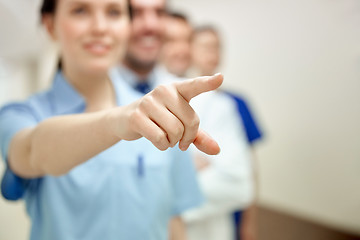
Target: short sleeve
x=13 y=118
x=252 y=129
x=186 y=191
x=227 y=183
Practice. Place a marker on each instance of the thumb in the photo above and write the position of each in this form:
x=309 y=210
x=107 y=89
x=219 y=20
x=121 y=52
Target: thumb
x=193 y=87
x=206 y=144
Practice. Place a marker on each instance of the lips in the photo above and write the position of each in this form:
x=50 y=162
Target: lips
x=97 y=48
x=148 y=41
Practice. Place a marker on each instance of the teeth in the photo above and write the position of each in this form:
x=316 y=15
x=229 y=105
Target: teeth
x=148 y=40
x=98 y=47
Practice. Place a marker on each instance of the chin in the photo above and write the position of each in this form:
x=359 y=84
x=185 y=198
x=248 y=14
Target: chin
x=148 y=57
x=99 y=67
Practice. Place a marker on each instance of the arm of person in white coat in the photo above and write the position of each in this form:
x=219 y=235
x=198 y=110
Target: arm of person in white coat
x=227 y=182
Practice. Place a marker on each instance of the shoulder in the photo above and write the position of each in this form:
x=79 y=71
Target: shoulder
x=240 y=101
x=35 y=106
x=251 y=126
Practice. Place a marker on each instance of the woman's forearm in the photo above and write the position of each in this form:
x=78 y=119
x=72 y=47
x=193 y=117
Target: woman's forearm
x=58 y=144
x=163 y=116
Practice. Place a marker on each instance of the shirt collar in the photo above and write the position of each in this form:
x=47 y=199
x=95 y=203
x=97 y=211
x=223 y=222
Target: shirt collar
x=125 y=93
x=131 y=78
x=124 y=81
x=65 y=98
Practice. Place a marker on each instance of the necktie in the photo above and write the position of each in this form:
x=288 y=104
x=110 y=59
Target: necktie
x=143 y=87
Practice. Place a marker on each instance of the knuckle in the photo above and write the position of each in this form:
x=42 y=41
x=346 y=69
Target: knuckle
x=192 y=82
x=160 y=141
x=178 y=131
x=134 y=118
x=161 y=90
x=146 y=102
x=135 y=115
x=195 y=122
x=159 y=138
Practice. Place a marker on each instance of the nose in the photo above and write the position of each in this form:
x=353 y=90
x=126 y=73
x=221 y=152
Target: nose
x=99 y=24
x=185 y=47
x=152 y=21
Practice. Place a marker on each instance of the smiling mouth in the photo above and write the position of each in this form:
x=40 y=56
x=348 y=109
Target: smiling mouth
x=149 y=41
x=97 y=48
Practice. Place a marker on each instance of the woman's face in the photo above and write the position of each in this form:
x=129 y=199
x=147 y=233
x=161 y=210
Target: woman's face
x=92 y=34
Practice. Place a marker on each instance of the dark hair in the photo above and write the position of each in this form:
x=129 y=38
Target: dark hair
x=206 y=28
x=178 y=15
x=49 y=7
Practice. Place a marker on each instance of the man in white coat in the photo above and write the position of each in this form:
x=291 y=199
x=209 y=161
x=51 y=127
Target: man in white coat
x=226 y=179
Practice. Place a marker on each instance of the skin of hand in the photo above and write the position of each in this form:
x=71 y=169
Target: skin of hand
x=177 y=229
x=165 y=117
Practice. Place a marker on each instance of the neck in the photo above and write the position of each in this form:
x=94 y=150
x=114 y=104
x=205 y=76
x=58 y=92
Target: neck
x=97 y=89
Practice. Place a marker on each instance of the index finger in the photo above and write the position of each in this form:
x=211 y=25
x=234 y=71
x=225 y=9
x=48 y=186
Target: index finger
x=193 y=87
x=206 y=144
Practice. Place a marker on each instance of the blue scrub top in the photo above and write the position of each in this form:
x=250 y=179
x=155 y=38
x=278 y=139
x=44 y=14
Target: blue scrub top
x=129 y=191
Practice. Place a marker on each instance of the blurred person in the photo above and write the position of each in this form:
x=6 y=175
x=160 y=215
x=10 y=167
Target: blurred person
x=84 y=155
x=206 y=54
x=205 y=50
x=228 y=171
x=139 y=67
x=176 y=53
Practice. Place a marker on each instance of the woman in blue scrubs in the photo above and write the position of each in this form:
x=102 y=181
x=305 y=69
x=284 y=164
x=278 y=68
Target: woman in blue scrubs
x=85 y=154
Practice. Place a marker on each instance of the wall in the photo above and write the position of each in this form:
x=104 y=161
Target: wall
x=299 y=63
x=16 y=82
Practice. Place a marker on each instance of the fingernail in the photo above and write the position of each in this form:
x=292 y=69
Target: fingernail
x=183 y=147
x=187 y=147
x=219 y=151
x=215 y=75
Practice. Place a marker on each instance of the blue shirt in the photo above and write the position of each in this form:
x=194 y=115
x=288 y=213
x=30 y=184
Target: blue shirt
x=129 y=191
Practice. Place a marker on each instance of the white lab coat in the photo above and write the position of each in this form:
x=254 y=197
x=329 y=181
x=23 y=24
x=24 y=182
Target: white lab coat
x=227 y=183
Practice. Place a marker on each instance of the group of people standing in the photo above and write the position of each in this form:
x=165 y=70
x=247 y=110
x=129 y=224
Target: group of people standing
x=190 y=52
x=122 y=146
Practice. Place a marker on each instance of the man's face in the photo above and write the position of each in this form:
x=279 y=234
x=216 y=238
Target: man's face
x=147 y=32
x=176 y=54
x=206 y=52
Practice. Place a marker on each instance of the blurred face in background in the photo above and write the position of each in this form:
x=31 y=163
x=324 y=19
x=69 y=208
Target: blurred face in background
x=91 y=34
x=176 y=53
x=147 y=33
x=206 y=52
